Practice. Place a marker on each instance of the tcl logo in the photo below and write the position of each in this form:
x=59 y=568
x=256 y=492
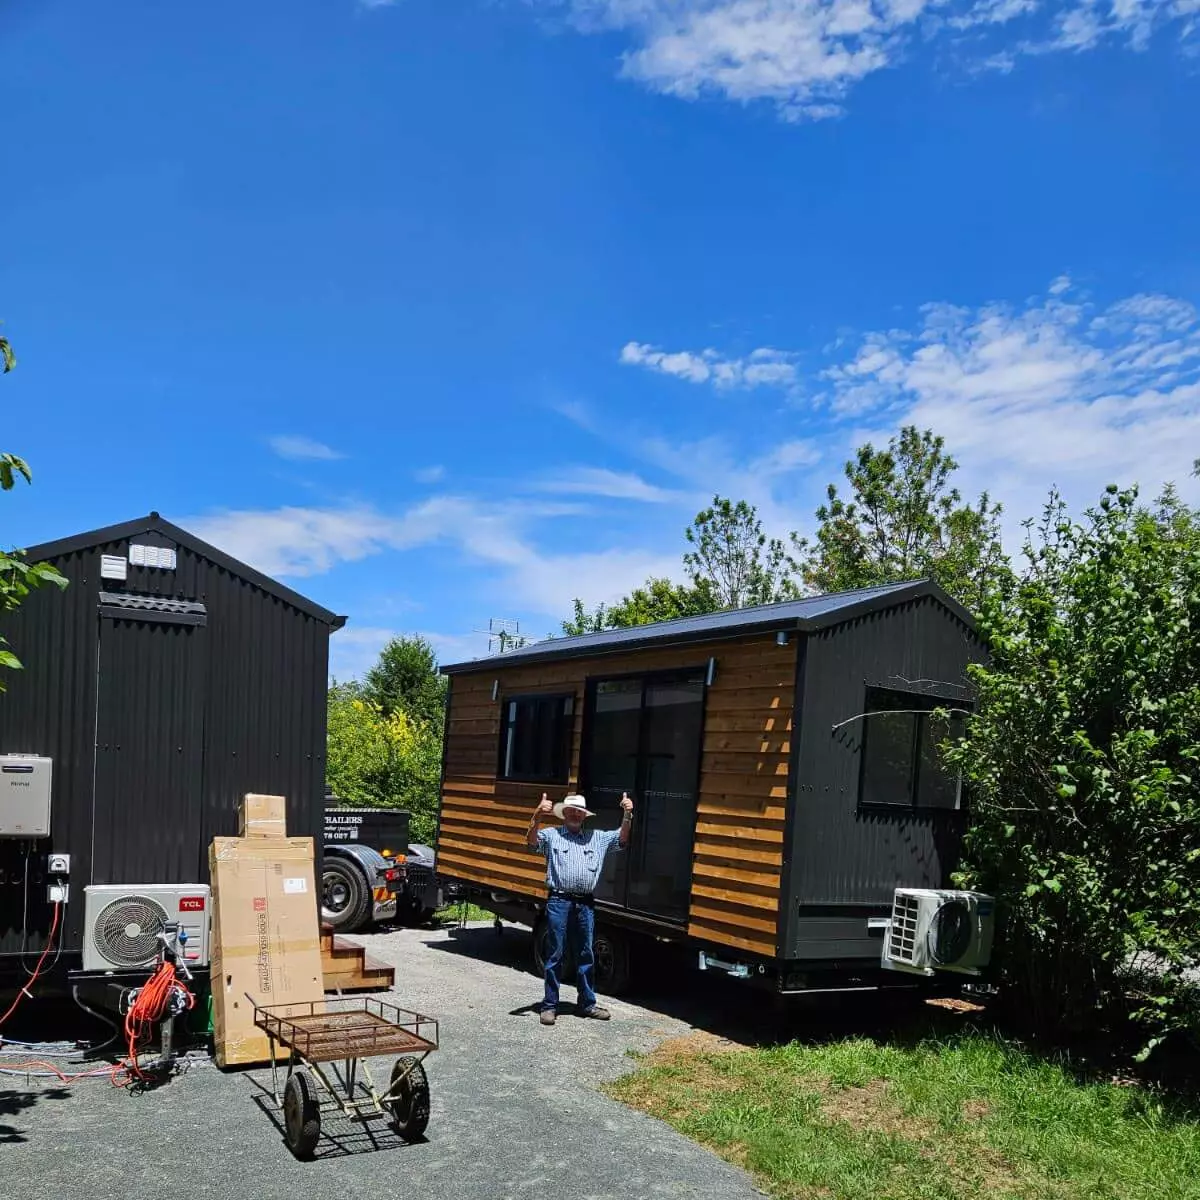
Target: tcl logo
x=191 y=904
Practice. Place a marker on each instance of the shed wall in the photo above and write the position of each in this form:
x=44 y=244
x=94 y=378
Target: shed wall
x=740 y=820
x=262 y=724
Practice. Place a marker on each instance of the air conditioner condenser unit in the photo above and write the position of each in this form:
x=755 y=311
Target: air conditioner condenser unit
x=122 y=923
x=932 y=930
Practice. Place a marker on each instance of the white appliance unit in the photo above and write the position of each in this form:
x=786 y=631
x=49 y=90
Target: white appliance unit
x=25 y=795
x=934 y=930
x=122 y=923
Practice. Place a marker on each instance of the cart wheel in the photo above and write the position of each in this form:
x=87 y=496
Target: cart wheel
x=409 y=1107
x=301 y=1116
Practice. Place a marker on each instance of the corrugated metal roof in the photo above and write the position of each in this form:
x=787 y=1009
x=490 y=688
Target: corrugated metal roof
x=808 y=613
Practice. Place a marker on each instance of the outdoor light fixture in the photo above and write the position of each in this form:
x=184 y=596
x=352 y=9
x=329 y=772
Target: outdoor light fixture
x=781 y=638
x=711 y=674
x=495 y=689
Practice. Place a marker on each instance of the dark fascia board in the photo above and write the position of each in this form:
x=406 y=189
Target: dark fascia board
x=658 y=637
x=156 y=524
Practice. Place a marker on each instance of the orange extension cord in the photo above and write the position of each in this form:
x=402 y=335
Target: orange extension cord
x=144 y=1014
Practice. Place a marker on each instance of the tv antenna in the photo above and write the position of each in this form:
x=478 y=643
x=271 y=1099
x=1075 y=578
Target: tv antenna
x=503 y=634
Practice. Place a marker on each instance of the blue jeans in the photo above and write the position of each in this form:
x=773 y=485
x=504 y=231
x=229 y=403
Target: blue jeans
x=566 y=919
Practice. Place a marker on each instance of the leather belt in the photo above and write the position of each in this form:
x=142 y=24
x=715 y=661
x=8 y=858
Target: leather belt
x=576 y=897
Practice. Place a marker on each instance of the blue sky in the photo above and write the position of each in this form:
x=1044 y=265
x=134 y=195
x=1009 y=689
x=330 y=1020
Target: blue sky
x=443 y=310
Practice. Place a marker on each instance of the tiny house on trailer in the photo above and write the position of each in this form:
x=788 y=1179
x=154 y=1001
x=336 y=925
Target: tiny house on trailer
x=783 y=762
x=163 y=684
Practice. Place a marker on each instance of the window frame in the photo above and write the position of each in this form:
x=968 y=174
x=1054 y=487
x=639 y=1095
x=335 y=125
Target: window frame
x=925 y=704
x=565 y=716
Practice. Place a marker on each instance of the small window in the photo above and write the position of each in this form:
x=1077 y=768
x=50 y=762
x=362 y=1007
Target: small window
x=535 y=738
x=902 y=763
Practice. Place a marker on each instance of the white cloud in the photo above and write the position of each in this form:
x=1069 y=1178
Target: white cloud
x=495 y=540
x=598 y=481
x=303 y=449
x=433 y=474
x=806 y=55
x=764 y=367
x=1057 y=391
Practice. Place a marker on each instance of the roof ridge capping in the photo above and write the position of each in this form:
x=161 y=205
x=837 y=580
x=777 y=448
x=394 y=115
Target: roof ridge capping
x=154 y=523
x=806 y=613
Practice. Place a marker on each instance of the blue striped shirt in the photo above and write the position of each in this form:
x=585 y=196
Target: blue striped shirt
x=574 y=860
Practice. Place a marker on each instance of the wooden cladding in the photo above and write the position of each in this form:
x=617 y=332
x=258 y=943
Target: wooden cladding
x=737 y=852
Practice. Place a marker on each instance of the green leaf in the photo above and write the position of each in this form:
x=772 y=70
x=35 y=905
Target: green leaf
x=10 y=660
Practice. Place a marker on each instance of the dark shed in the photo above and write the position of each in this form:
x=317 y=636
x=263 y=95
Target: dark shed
x=783 y=762
x=165 y=682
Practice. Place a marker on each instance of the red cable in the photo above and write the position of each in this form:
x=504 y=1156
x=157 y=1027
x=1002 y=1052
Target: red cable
x=25 y=991
x=145 y=1012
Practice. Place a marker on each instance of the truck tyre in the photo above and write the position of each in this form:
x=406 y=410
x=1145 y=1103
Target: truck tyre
x=345 y=897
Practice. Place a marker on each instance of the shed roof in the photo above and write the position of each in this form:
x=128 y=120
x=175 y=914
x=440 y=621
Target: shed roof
x=806 y=615
x=156 y=524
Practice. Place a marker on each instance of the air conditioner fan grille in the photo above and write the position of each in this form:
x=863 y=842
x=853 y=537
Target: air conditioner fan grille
x=126 y=931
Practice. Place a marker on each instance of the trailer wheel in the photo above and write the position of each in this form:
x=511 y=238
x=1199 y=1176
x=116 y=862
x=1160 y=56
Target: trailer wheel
x=409 y=1106
x=301 y=1116
x=345 y=898
x=611 y=950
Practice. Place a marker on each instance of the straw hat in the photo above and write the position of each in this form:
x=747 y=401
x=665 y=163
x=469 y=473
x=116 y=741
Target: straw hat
x=573 y=803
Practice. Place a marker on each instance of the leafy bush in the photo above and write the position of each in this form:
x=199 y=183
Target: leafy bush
x=1081 y=764
x=376 y=760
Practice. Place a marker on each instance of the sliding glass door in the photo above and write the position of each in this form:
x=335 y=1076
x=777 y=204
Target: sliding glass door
x=642 y=735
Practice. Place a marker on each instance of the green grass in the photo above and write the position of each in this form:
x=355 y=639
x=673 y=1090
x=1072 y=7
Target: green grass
x=962 y=1119
x=453 y=914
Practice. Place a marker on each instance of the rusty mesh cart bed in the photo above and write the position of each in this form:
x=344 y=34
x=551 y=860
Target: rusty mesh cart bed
x=349 y=1031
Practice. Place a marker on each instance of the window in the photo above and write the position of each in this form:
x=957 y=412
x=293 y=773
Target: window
x=535 y=738
x=902 y=763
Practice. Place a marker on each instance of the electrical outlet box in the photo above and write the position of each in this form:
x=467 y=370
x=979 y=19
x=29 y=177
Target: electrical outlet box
x=58 y=864
x=58 y=893
x=24 y=796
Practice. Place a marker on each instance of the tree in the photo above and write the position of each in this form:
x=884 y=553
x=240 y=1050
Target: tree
x=904 y=520
x=406 y=679
x=17 y=577
x=378 y=760
x=655 y=600
x=1081 y=761
x=734 y=559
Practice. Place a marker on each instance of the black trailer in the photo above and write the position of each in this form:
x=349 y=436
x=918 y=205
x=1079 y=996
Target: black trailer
x=165 y=682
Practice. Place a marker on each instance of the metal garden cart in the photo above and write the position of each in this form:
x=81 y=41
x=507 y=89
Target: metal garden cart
x=348 y=1030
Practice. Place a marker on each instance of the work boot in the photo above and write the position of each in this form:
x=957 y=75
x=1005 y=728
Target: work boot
x=548 y=1016
x=596 y=1013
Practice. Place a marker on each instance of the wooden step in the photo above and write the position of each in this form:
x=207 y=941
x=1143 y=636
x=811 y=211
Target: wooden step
x=348 y=968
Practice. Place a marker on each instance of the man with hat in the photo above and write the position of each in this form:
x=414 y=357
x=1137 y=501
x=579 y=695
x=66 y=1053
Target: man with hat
x=574 y=859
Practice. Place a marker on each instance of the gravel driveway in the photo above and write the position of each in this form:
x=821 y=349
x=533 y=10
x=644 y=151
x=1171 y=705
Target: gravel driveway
x=515 y=1113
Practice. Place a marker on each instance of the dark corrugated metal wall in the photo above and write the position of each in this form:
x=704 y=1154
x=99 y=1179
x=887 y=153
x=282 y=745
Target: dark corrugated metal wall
x=840 y=856
x=258 y=669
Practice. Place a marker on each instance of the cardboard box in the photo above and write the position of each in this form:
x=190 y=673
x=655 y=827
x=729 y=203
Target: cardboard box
x=262 y=816
x=265 y=936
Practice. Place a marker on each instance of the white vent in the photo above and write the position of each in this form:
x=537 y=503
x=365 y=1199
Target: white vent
x=902 y=934
x=162 y=557
x=935 y=930
x=122 y=924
